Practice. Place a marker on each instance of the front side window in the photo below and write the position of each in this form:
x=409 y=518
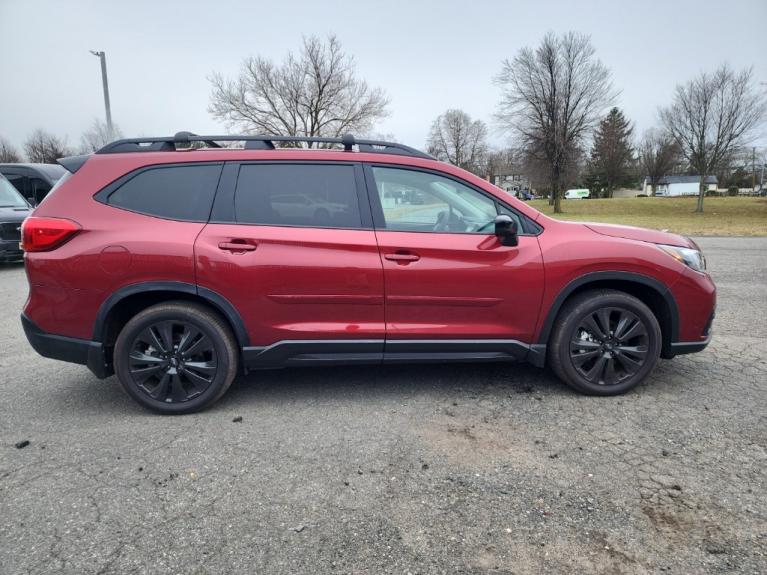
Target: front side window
x=311 y=195
x=172 y=192
x=414 y=201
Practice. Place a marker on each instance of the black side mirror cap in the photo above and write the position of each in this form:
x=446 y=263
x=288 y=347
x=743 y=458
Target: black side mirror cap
x=506 y=230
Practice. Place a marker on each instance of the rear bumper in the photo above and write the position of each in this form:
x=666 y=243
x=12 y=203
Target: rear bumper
x=70 y=349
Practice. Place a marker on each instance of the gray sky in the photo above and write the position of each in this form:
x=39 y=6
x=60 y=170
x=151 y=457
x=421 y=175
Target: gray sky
x=428 y=55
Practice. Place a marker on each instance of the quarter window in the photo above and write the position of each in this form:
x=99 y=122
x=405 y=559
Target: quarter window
x=172 y=192
x=312 y=195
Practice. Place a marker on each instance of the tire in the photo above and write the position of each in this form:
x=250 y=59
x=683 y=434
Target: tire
x=176 y=381
x=599 y=361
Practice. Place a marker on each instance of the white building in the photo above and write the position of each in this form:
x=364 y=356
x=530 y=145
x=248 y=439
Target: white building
x=679 y=185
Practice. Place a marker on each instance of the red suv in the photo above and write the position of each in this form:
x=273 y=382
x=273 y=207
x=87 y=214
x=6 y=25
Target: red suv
x=177 y=264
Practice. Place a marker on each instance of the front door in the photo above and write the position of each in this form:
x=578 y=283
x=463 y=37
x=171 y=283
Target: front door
x=291 y=246
x=446 y=275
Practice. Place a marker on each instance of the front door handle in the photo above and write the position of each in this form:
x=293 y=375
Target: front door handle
x=402 y=257
x=236 y=246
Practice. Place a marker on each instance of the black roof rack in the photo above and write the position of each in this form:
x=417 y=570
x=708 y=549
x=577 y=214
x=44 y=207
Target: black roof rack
x=182 y=140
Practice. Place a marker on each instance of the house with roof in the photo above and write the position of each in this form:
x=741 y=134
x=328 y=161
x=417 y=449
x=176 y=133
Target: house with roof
x=679 y=185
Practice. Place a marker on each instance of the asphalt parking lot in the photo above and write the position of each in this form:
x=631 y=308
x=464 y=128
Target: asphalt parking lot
x=413 y=469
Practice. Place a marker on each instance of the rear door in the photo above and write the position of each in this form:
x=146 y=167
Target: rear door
x=291 y=246
x=447 y=276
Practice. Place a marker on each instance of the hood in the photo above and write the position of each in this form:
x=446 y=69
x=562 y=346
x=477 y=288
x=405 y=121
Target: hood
x=14 y=214
x=641 y=234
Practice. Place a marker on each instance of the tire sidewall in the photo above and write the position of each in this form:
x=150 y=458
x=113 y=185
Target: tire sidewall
x=199 y=320
x=571 y=323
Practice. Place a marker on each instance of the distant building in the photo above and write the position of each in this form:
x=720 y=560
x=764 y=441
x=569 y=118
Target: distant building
x=679 y=185
x=512 y=183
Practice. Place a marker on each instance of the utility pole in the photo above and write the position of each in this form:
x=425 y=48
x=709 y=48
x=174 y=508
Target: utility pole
x=103 y=57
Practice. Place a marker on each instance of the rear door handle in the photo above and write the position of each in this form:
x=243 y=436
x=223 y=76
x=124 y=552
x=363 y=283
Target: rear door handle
x=402 y=257
x=237 y=246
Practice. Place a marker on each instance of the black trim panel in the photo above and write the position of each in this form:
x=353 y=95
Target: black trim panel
x=439 y=350
x=314 y=352
x=73 y=350
x=659 y=287
x=684 y=347
x=376 y=351
x=218 y=301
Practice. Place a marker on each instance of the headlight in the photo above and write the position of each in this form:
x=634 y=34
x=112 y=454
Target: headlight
x=687 y=256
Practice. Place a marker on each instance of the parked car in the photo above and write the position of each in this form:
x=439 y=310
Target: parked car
x=174 y=270
x=13 y=210
x=33 y=181
x=579 y=194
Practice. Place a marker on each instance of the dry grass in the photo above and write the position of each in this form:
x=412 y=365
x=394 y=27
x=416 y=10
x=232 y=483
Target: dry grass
x=721 y=216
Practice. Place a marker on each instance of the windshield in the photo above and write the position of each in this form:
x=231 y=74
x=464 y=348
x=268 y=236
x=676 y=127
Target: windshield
x=9 y=197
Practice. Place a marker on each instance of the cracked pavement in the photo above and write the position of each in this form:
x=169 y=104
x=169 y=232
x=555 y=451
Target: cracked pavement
x=406 y=469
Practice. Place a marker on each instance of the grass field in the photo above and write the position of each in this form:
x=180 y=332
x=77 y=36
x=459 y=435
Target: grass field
x=721 y=216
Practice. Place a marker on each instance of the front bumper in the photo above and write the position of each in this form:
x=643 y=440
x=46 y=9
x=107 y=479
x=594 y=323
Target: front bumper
x=10 y=250
x=70 y=349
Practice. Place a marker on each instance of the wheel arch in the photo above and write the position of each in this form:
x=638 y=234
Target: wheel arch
x=648 y=290
x=123 y=304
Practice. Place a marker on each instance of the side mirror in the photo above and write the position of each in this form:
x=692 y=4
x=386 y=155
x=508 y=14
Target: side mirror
x=506 y=230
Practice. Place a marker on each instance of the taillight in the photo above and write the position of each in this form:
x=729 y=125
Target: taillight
x=45 y=234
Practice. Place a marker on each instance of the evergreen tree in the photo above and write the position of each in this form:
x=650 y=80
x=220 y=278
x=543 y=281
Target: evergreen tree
x=612 y=156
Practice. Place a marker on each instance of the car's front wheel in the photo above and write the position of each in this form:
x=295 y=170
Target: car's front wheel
x=605 y=342
x=175 y=357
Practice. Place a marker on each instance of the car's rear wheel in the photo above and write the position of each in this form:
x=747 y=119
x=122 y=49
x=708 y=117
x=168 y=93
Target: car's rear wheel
x=605 y=342
x=176 y=357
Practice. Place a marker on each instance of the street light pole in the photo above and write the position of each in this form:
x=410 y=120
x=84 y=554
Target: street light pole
x=103 y=57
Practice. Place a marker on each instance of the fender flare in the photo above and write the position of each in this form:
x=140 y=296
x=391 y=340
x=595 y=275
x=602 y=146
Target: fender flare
x=216 y=300
x=659 y=287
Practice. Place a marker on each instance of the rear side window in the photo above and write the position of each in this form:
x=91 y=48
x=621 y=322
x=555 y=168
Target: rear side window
x=173 y=192
x=311 y=195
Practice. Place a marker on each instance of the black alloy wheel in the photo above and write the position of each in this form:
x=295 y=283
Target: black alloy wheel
x=173 y=361
x=176 y=357
x=604 y=342
x=609 y=345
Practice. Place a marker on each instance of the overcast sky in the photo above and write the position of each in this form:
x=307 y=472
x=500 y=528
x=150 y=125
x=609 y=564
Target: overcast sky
x=428 y=56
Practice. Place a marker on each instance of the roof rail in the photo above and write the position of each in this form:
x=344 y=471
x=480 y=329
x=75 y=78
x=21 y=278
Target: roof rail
x=183 y=139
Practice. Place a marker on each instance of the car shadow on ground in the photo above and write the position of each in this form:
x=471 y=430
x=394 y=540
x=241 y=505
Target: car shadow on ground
x=330 y=384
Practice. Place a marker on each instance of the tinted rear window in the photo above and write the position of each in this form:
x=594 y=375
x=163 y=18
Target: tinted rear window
x=316 y=195
x=174 y=192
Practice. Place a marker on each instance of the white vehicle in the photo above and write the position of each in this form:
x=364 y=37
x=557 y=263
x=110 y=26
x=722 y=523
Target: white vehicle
x=579 y=194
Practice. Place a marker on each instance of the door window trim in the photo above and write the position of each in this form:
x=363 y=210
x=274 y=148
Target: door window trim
x=224 y=204
x=532 y=227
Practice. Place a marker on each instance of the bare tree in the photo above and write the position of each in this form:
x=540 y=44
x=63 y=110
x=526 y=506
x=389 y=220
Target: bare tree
x=658 y=154
x=612 y=155
x=552 y=98
x=44 y=148
x=456 y=138
x=98 y=136
x=314 y=93
x=8 y=152
x=712 y=116
x=501 y=162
